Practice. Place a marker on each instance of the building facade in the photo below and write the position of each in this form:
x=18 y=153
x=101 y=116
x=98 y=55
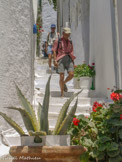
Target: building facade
x=97 y=37
x=17 y=50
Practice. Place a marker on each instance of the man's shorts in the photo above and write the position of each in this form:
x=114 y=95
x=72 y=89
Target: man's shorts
x=65 y=63
x=49 y=49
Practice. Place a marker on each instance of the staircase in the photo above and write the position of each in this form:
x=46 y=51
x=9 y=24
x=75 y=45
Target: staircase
x=85 y=98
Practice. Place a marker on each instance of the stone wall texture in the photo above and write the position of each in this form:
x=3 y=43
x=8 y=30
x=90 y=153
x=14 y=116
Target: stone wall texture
x=16 y=54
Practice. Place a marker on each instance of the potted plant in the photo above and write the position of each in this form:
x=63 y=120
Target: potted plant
x=101 y=133
x=83 y=76
x=39 y=136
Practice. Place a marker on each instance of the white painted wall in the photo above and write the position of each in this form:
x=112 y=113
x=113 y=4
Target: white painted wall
x=119 y=9
x=16 y=54
x=77 y=13
x=35 y=7
x=49 y=16
x=101 y=45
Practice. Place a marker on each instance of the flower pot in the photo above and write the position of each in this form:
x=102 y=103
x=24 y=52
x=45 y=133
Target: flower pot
x=48 y=140
x=46 y=153
x=83 y=82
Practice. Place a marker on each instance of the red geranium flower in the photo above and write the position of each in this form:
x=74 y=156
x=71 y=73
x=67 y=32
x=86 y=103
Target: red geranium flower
x=96 y=105
x=40 y=26
x=121 y=116
x=115 y=96
x=75 y=121
x=108 y=88
x=93 y=63
x=42 y=30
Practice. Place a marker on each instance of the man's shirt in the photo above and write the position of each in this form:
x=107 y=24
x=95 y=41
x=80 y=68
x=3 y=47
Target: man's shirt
x=65 y=48
x=51 y=38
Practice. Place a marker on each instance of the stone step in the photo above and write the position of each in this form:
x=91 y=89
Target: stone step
x=60 y=100
x=55 y=108
x=80 y=108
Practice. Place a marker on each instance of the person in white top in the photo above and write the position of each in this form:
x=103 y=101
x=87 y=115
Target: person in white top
x=52 y=36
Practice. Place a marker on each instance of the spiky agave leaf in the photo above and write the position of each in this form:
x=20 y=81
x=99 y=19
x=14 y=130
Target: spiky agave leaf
x=28 y=107
x=67 y=121
x=63 y=111
x=13 y=124
x=39 y=114
x=27 y=119
x=44 y=114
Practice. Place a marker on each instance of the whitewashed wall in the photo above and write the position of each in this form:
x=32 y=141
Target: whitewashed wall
x=119 y=9
x=16 y=54
x=49 y=16
x=76 y=12
x=79 y=11
x=35 y=7
x=101 y=45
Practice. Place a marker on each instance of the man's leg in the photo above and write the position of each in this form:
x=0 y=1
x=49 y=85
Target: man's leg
x=61 y=83
x=69 y=77
x=49 y=60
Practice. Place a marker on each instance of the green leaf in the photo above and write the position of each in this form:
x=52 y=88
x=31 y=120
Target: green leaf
x=120 y=133
x=94 y=153
x=85 y=157
x=68 y=119
x=44 y=125
x=87 y=142
x=101 y=147
x=113 y=153
x=118 y=123
x=63 y=112
x=27 y=106
x=112 y=146
x=118 y=91
x=91 y=124
x=117 y=108
x=39 y=114
x=104 y=139
x=115 y=159
x=27 y=119
x=101 y=156
x=13 y=124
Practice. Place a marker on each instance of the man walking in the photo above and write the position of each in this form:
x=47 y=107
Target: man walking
x=64 y=58
x=52 y=36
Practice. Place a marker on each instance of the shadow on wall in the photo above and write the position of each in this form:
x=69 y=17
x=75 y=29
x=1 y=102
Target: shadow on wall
x=85 y=7
x=79 y=16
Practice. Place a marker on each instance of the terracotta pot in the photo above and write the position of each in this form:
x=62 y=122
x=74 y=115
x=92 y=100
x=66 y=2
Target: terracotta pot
x=46 y=153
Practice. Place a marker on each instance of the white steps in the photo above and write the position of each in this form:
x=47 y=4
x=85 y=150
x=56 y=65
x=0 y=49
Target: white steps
x=85 y=99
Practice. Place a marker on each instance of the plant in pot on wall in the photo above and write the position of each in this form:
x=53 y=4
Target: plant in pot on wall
x=37 y=124
x=83 y=76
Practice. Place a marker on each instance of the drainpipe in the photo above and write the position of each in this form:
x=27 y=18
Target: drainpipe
x=117 y=45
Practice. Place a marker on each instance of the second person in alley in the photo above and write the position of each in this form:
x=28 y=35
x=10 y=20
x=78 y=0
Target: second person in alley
x=64 y=58
x=52 y=36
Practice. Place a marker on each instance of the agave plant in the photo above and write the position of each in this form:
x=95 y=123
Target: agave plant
x=37 y=124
